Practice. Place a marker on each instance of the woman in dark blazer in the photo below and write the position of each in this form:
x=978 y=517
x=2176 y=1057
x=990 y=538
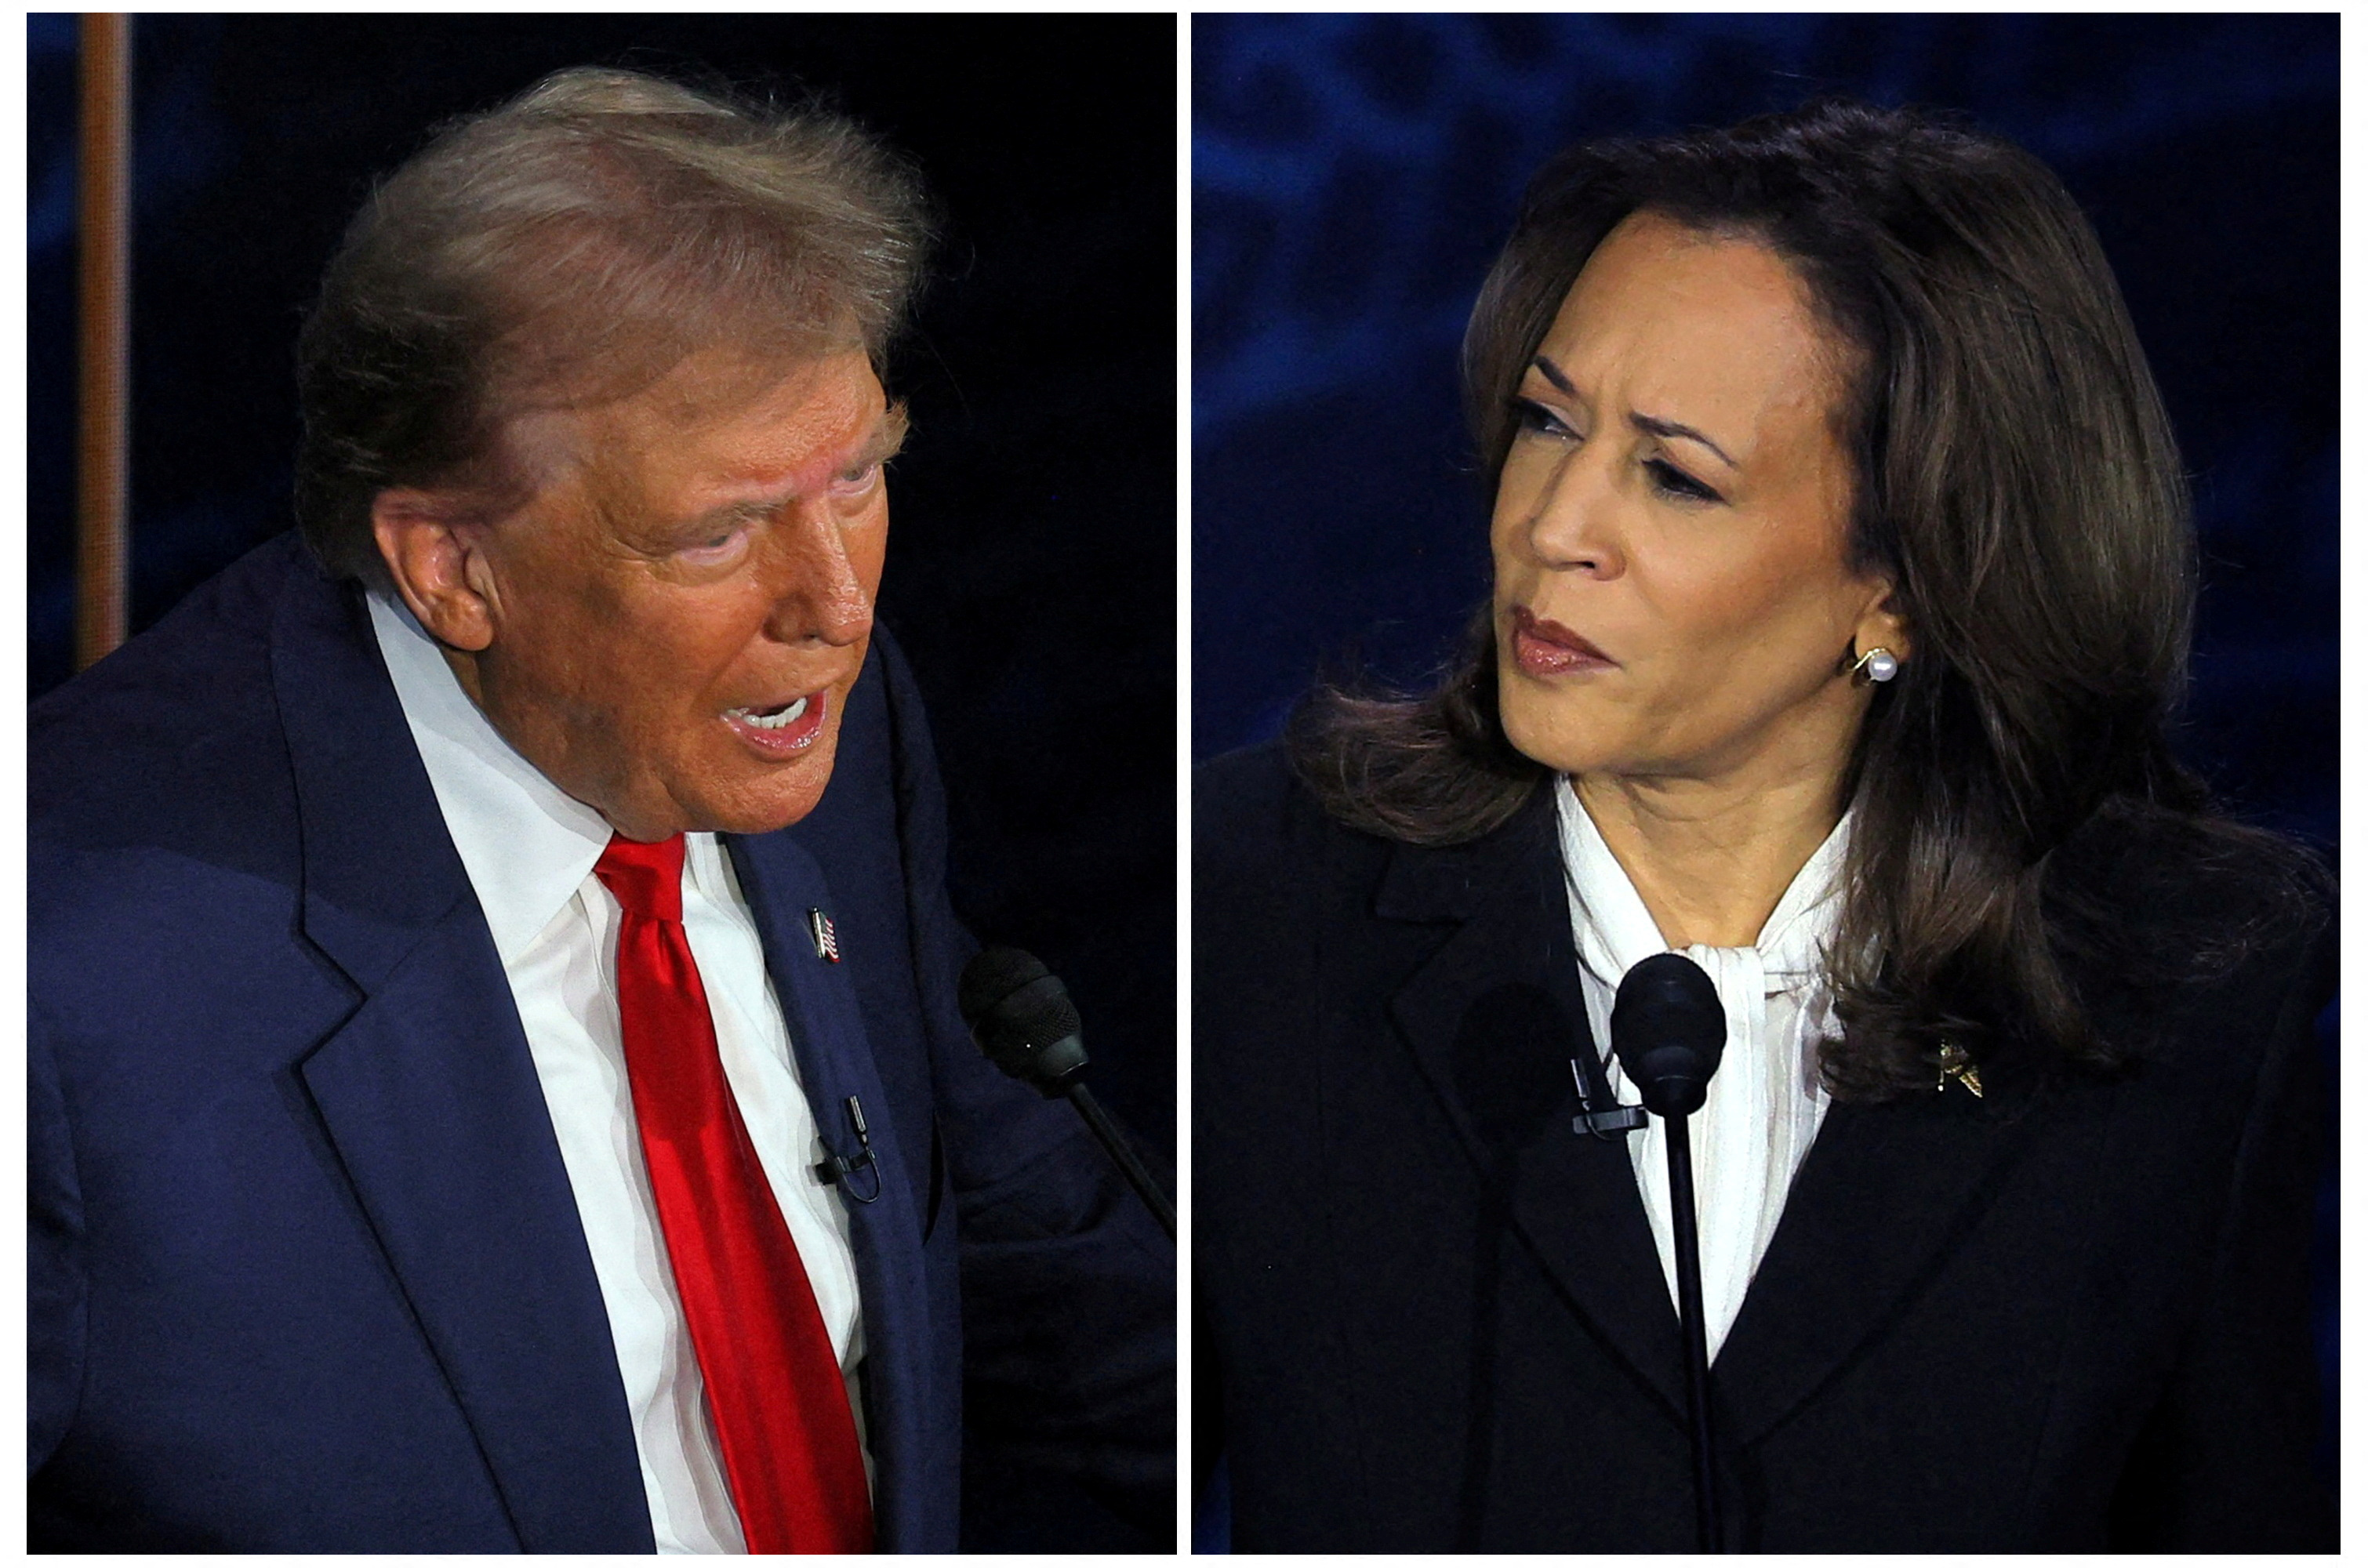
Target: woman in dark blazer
x=1844 y=577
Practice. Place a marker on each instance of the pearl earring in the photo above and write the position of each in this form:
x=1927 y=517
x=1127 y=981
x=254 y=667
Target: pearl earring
x=1876 y=664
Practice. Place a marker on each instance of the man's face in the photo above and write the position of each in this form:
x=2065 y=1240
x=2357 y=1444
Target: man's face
x=677 y=620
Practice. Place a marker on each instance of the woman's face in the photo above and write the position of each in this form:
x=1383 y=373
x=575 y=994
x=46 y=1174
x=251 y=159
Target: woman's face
x=1671 y=598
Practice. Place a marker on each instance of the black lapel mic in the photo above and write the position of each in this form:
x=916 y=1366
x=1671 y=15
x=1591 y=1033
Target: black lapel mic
x=1021 y=1014
x=1669 y=1031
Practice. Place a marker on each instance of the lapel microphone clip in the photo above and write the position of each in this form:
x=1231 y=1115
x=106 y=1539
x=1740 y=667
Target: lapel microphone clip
x=835 y=1169
x=1601 y=1116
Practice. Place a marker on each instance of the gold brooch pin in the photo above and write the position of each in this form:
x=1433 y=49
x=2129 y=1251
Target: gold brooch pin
x=1955 y=1063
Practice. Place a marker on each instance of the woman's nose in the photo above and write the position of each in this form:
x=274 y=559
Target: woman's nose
x=1574 y=519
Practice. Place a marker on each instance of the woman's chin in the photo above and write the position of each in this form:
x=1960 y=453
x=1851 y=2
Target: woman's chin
x=1548 y=740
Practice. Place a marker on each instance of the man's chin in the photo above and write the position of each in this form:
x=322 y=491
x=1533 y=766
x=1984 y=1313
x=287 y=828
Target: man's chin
x=750 y=822
x=768 y=803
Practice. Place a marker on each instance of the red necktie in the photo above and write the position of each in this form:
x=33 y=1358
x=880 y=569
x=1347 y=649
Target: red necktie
x=773 y=1383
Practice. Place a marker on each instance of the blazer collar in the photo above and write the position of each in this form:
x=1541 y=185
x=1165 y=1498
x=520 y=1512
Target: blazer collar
x=379 y=870
x=525 y=844
x=1493 y=1018
x=430 y=1097
x=1887 y=1188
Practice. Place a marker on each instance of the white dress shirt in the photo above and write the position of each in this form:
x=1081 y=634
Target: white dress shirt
x=529 y=850
x=1765 y=1099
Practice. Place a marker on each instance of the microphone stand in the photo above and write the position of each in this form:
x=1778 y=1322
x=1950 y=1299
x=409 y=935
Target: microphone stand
x=1686 y=1233
x=1020 y=1015
x=1669 y=1030
x=1122 y=1155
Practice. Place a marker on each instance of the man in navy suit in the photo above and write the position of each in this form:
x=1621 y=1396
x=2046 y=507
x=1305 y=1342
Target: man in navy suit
x=351 y=1228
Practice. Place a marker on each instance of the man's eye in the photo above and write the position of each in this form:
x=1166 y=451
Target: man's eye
x=719 y=544
x=859 y=478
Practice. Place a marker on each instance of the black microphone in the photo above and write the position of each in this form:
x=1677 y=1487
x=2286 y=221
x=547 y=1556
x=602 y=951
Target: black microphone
x=1021 y=1017
x=1021 y=1014
x=1669 y=1031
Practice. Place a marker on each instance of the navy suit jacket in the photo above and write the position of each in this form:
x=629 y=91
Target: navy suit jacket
x=306 y=1272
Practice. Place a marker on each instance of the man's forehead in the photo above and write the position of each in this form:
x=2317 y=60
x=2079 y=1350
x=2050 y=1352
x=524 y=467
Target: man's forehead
x=804 y=447
x=717 y=422
x=721 y=389
x=719 y=381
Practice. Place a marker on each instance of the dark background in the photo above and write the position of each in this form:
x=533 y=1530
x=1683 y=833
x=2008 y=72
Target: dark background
x=1352 y=176
x=1031 y=562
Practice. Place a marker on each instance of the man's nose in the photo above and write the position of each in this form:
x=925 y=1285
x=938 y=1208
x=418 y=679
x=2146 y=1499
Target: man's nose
x=818 y=595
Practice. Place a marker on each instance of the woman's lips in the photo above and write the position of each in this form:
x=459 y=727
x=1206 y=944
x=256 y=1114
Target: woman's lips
x=783 y=729
x=1549 y=648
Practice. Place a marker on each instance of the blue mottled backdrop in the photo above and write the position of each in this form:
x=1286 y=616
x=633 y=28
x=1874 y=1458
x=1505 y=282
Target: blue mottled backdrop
x=1353 y=176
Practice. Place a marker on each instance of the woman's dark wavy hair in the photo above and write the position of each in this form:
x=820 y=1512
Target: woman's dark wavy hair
x=2016 y=481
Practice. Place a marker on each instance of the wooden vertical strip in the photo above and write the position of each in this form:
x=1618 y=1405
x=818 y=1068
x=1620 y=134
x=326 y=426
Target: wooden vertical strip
x=103 y=461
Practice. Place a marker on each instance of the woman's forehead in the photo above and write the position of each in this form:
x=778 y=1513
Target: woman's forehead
x=1653 y=275
x=1714 y=331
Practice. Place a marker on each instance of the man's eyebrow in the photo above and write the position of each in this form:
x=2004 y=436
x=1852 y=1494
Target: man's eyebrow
x=887 y=439
x=1668 y=429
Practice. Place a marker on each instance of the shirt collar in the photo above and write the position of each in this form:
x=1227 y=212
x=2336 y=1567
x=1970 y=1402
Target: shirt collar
x=527 y=845
x=1620 y=932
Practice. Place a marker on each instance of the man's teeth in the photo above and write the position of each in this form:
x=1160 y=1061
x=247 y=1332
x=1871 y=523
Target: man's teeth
x=786 y=717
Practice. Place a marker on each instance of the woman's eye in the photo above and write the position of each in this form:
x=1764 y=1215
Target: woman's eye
x=1538 y=419
x=1675 y=483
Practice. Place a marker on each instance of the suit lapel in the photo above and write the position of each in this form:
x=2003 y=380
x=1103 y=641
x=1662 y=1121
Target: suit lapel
x=1494 y=1017
x=1884 y=1194
x=782 y=884
x=429 y=1097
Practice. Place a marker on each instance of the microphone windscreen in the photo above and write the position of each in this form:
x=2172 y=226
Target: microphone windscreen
x=990 y=976
x=1669 y=1031
x=1021 y=1017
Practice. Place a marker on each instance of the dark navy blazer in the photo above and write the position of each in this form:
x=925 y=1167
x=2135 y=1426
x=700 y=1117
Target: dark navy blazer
x=306 y=1271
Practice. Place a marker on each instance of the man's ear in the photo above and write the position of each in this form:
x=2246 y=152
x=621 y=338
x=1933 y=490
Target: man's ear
x=436 y=563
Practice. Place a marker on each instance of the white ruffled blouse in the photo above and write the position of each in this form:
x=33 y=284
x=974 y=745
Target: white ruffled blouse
x=1765 y=1101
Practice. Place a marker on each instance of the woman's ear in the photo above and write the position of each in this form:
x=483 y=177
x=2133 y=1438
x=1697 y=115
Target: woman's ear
x=434 y=558
x=1883 y=625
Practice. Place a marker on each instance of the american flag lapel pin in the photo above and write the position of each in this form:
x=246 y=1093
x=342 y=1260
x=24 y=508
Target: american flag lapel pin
x=826 y=936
